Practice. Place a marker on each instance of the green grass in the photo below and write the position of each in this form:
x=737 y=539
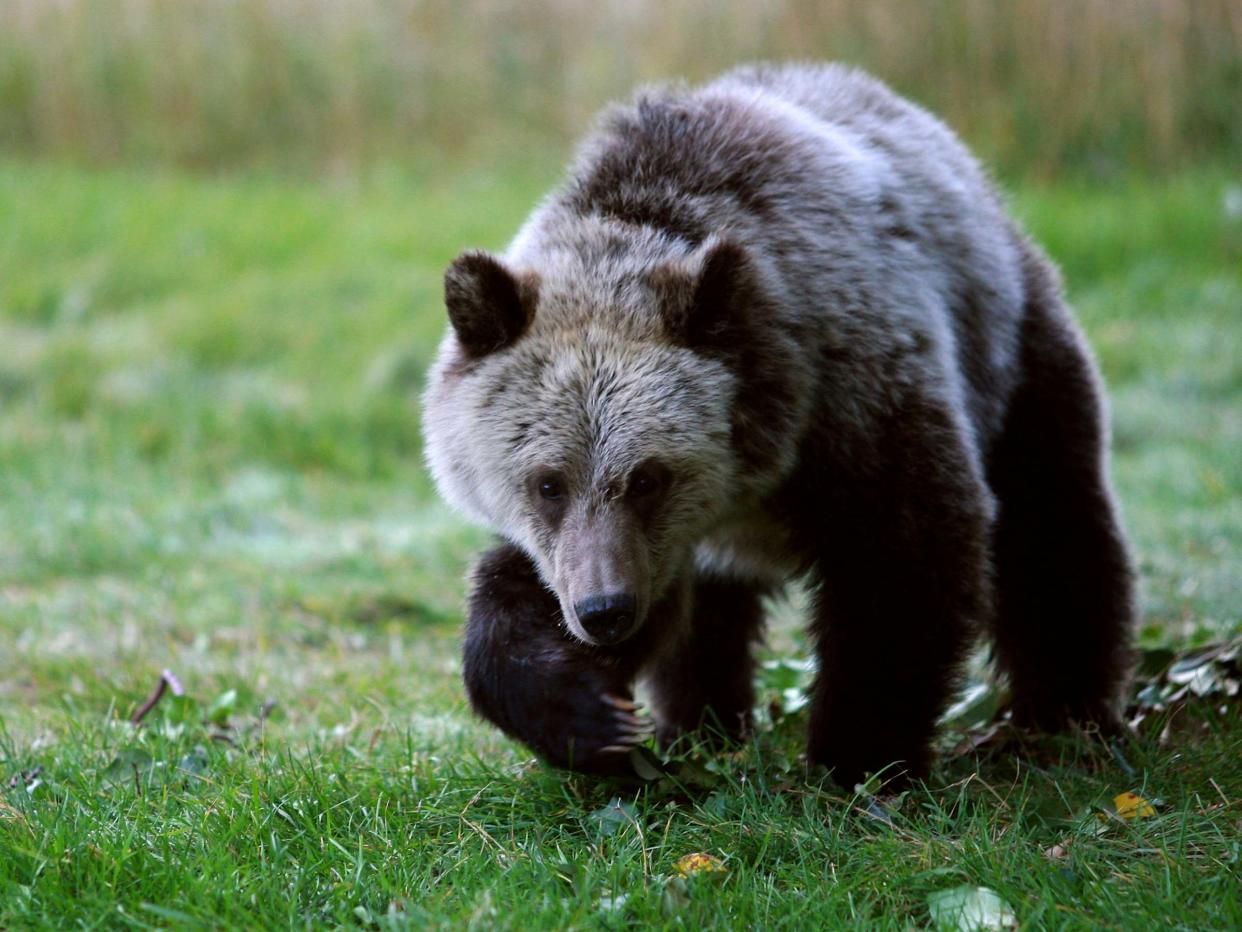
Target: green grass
x=209 y=462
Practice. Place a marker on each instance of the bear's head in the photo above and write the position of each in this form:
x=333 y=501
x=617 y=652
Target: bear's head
x=585 y=408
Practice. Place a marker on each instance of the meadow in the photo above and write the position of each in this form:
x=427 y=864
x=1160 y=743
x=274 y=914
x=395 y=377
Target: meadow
x=209 y=464
x=230 y=600
x=1039 y=87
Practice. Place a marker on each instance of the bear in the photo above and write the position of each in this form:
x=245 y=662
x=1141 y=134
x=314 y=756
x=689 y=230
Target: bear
x=776 y=328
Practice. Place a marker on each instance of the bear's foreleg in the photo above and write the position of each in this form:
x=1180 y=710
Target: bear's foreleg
x=705 y=682
x=569 y=702
x=902 y=543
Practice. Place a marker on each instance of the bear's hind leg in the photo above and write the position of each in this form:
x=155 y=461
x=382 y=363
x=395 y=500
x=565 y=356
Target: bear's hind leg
x=706 y=682
x=1065 y=603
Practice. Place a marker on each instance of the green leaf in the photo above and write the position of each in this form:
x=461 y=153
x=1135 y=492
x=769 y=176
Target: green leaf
x=790 y=678
x=967 y=908
x=871 y=785
x=783 y=673
x=693 y=774
x=1152 y=696
x=878 y=811
x=646 y=765
x=794 y=700
x=122 y=768
x=181 y=709
x=977 y=706
x=615 y=816
x=1093 y=822
x=223 y=706
x=196 y=763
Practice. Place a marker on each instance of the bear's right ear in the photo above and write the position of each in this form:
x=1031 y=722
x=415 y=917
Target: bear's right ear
x=487 y=306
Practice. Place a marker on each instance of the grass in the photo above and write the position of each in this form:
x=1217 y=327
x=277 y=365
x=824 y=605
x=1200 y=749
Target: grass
x=209 y=463
x=1038 y=86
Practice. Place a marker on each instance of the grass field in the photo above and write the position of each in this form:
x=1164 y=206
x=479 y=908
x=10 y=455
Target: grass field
x=210 y=464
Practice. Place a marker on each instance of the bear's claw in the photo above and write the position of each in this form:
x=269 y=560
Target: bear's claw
x=625 y=705
x=633 y=729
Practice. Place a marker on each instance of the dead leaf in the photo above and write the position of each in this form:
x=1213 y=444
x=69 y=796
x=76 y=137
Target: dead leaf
x=699 y=863
x=1132 y=806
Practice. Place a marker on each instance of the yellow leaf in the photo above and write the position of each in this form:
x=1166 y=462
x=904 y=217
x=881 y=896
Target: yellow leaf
x=699 y=863
x=1133 y=806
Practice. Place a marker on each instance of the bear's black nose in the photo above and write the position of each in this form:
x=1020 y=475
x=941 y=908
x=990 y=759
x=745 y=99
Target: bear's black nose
x=607 y=618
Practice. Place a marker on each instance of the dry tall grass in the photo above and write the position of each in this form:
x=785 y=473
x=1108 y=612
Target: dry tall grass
x=1037 y=85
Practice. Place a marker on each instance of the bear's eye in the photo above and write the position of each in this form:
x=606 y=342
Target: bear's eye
x=551 y=488
x=647 y=481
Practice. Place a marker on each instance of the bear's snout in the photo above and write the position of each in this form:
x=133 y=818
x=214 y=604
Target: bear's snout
x=607 y=619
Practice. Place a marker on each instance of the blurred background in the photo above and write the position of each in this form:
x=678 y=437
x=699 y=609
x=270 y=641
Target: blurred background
x=1039 y=87
x=222 y=229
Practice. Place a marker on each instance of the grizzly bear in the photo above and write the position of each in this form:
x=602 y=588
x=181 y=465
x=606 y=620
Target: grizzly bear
x=777 y=328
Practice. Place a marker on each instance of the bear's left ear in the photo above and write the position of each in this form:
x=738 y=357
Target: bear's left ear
x=487 y=306
x=722 y=287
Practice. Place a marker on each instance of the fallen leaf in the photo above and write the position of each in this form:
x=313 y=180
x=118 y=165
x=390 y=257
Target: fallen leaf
x=966 y=908
x=699 y=863
x=1132 y=806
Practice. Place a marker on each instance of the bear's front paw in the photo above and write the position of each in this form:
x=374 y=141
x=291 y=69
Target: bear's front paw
x=589 y=729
